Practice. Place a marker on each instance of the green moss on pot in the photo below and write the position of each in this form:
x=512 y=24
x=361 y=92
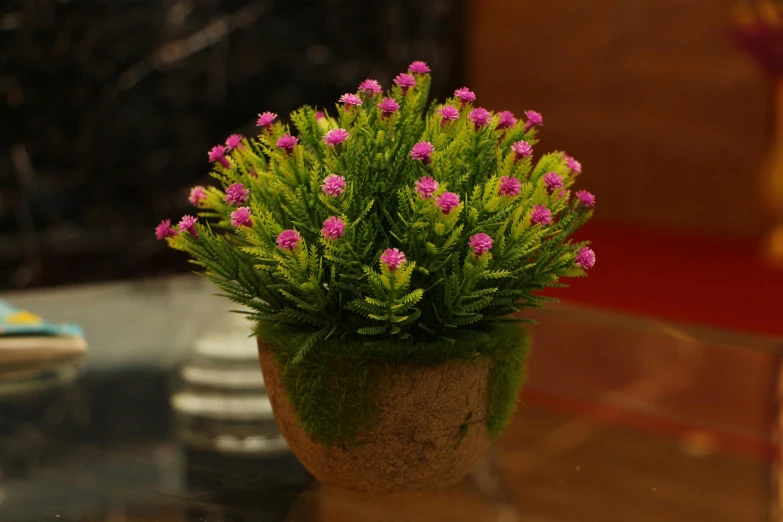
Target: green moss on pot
x=331 y=390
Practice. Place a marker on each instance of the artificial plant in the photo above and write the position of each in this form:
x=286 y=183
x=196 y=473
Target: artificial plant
x=387 y=222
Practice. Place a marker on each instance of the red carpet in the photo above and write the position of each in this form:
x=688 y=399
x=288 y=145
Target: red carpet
x=689 y=279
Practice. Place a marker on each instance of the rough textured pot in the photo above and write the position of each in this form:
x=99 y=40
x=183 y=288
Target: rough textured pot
x=431 y=429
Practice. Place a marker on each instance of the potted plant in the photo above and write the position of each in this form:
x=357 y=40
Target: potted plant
x=384 y=251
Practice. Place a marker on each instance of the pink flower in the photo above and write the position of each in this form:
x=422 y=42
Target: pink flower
x=534 y=119
x=553 y=181
x=350 y=99
x=480 y=117
x=287 y=143
x=197 y=195
x=336 y=136
x=388 y=106
x=465 y=95
x=448 y=113
x=426 y=187
x=164 y=229
x=241 y=217
x=371 y=87
x=319 y=115
x=405 y=81
x=572 y=164
x=234 y=141
x=447 y=202
x=506 y=120
x=188 y=224
x=509 y=186
x=585 y=258
x=334 y=228
x=422 y=152
x=218 y=154
x=236 y=194
x=521 y=149
x=586 y=198
x=333 y=185
x=288 y=239
x=564 y=194
x=480 y=243
x=540 y=215
x=393 y=259
x=265 y=119
x=419 y=67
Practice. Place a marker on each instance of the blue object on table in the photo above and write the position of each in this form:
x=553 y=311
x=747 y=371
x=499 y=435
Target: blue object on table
x=15 y=321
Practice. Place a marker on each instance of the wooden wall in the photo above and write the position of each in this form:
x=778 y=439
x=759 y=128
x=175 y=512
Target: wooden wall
x=666 y=115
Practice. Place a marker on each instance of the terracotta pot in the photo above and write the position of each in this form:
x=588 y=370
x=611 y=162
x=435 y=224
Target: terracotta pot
x=421 y=439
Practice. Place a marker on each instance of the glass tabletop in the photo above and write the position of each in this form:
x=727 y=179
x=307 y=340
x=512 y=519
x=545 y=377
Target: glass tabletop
x=166 y=420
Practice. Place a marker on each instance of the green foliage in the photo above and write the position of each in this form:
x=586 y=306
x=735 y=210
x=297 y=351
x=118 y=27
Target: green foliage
x=507 y=374
x=331 y=390
x=339 y=288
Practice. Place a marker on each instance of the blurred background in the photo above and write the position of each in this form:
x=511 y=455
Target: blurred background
x=109 y=109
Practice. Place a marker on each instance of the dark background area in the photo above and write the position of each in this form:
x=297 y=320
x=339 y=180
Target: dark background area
x=109 y=108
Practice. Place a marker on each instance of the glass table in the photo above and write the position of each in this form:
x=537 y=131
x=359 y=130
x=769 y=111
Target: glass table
x=622 y=418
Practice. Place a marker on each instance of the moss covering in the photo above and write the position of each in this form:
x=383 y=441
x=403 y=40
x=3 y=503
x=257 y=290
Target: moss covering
x=331 y=389
x=507 y=373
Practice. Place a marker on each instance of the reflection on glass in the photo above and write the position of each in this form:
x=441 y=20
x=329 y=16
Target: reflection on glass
x=223 y=405
x=622 y=419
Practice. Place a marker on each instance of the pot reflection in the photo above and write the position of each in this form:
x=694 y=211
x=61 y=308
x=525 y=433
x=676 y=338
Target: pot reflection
x=460 y=502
